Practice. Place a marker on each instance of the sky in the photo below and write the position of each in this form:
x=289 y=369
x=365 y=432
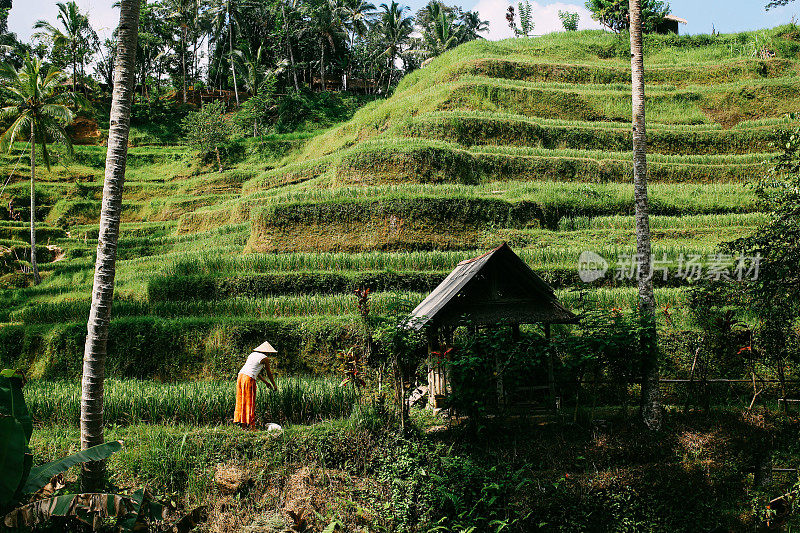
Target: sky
x=725 y=15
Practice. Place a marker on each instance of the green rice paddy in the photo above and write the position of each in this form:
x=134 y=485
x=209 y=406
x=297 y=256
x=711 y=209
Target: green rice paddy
x=524 y=141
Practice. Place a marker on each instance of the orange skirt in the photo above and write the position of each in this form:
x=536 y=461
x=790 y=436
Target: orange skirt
x=245 y=401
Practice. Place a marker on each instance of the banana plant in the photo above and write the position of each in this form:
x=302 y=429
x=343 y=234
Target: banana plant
x=19 y=479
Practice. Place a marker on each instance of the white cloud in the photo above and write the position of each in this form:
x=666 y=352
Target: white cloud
x=24 y=14
x=545 y=17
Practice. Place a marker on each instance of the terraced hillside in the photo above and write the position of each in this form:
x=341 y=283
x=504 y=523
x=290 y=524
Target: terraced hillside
x=524 y=141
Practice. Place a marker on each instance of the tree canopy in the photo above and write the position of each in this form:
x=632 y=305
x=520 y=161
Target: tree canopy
x=614 y=15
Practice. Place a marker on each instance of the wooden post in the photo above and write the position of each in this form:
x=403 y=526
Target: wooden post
x=437 y=382
x=498 y=373
x=551 y=381
x=500 y=368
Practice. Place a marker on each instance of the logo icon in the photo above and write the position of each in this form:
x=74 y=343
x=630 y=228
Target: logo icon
x=591 y=266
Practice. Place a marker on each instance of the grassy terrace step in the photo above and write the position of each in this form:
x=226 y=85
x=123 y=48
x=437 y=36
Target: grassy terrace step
x=476 y=128
x=425 y=222
x=710 y=58
x=199 y=287
x=725 y=106
x=698 y=60
x=290 y=174
x=95 y=156
x=556 y=199
x=272 y=307
x=82 y=212
x=22 y=231
x=302 y=305
x=541 y=71
x=428 y=161
x=148 y=347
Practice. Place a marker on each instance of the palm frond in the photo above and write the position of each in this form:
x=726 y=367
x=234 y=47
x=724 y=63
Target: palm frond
x=57 y=112
x=9 y=112
x=10 y=135
x=59 y=135
x=40 y=135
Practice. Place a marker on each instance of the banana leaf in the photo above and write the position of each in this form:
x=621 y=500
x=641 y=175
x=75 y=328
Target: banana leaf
x=132 y=513
x=89 y=508
x=12 y=401
x=128 y=521
x=15 y=431
x=40 y=475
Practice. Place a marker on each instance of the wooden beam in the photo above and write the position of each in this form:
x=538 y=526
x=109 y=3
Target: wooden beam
x=551 y=380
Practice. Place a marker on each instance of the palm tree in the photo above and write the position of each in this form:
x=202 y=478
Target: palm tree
x=39 y=109
x=94 y=354
x=288 y=33
x=650 y=402
x=442 y=34
x=178 y=12
x=252 y=65
x=473 y=25
x=358 y=15
x=230 y=48
x=77 y=32
x=395 y=29
x=327 y=22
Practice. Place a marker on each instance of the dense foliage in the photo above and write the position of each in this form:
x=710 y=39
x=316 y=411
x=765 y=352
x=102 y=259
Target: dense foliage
x=613 y=14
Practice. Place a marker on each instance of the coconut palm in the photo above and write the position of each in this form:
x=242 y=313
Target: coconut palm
x=40 y=109
x=327 y=21
x=473 y=25
x=650 y=404
x=289 y=33
x=395 y=28
x=94 y=355
x=77 y=35
x=223 y=16
x=357 y=16
x=442 y=33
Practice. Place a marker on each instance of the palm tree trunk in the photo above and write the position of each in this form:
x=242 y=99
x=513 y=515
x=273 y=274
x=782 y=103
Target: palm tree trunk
x=74 y=66
x=183 y=60
x=648 y=346
x=322 y=63
x=105 y=266
x=34 y=266
x=289 y=46
x=230 y=44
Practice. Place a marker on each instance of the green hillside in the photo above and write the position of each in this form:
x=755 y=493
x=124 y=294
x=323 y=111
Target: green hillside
x=525 y=141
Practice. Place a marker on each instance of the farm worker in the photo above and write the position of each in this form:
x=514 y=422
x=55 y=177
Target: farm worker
x=256 y=363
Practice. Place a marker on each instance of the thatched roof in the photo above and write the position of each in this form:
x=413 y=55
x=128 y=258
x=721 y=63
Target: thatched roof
x=676 y=19
x=496 y=287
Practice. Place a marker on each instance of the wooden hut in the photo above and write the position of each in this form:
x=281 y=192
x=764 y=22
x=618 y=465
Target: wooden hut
x=495 y=288
x=670 y=24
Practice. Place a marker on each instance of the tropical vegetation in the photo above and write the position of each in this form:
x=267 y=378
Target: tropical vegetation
x=307 y=173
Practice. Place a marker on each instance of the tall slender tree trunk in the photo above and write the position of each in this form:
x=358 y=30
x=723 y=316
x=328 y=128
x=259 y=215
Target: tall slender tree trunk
x=183 y=60
x=322 y=62
x=289 y=46
x=648 y=344
x=230 y=44
x=34 y=265
x=74 y=66
x=94 y=355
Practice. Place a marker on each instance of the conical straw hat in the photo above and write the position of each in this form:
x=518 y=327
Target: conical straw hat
x=265 y=347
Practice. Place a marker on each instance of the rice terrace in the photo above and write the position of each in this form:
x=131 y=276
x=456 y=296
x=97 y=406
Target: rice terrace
x=324 y=265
